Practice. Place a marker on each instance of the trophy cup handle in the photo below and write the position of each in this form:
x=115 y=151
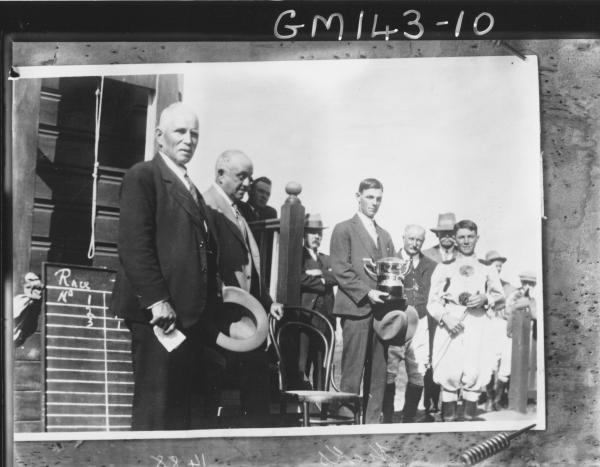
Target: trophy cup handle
x=369 y=267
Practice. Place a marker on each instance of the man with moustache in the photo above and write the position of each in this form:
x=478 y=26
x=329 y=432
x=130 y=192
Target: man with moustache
x=167 y=243
x=239 y=266
x=316 y=287
x=445 y=250
x=353 y=242
x=415 y=352
x=462 y=291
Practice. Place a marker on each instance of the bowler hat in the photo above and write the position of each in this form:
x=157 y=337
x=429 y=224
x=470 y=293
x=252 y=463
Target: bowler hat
x=313 y=222
x=396 y=326
x=250 y=331
x=493 y=255
x=528 y=276
x=445 y=223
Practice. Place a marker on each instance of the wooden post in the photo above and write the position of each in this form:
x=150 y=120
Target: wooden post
x=291 y=233
x=25 y=121
x=519 y=372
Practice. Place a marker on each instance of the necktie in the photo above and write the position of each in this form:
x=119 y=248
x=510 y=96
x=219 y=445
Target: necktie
x=241 y=222
x=191 y=187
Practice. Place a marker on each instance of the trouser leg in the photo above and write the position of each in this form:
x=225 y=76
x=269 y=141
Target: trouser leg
x=164 y=381
x=412 y=396
x=375 y=385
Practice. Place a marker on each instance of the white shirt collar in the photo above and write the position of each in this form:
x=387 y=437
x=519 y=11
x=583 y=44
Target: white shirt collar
x=415 y=258
x=312 y=253
x=220 y=190
x=369 y=225
x=176 y=169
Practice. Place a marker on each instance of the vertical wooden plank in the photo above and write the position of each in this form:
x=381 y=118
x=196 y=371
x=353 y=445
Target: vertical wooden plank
x=291 y=232
x=26 y=111
x=519 y=374
x=168 y=90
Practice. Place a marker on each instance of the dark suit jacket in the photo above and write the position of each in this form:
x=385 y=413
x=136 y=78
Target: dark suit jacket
x=233 y=251
x=350 y=243
x=317 y=295
x=418 y=282
x=256 y=214
x=167 y=248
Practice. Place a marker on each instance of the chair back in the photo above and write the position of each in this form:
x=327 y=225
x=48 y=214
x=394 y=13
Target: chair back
x=279 y=329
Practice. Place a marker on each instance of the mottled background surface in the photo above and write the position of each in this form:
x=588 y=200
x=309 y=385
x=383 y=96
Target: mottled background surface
x=570 y=112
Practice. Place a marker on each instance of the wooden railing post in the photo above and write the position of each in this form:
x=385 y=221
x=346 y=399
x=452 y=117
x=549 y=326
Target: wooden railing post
x=519 y=371
x=291 y=233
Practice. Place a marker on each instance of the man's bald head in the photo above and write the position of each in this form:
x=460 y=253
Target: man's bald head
x=233 y=173
x=413 y=238
x=177 y=133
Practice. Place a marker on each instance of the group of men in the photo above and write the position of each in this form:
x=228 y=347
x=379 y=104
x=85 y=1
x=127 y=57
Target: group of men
x=461 y=347
x=178 y=248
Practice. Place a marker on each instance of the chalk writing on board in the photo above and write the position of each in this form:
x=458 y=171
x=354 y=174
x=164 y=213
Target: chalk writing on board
x=89 y=379
x=175 y=461
x=410 y=26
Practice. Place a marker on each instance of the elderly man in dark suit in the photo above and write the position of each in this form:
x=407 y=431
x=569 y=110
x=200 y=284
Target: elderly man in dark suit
x=167 y=280
x=415 y=353
x=353 y=242
x=239 y=265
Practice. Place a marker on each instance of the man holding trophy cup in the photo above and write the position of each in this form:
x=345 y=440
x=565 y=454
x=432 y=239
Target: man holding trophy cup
x=370 y=299
x=462 y=291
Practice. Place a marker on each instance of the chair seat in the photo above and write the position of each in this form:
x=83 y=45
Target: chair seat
x=320 y=397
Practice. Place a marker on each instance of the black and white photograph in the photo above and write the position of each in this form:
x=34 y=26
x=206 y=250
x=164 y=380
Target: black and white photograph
x=276 y=248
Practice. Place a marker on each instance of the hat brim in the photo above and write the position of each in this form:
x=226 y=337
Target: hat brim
x=441 y=230
x=397 y=326
x=250 y=331
x=498 y=258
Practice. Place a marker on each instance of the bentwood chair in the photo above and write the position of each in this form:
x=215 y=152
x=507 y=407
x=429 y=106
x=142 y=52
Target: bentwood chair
x=322 y=397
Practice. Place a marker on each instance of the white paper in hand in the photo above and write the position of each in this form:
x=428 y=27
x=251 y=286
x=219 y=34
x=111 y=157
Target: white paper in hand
x=169 y=341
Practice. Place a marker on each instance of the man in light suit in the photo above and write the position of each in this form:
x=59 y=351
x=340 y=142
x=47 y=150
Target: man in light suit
x=239 y=266
x=415 y=353
x=166 y=243
x=352 y=242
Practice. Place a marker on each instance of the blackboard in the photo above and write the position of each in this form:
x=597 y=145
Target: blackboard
x=87 y=364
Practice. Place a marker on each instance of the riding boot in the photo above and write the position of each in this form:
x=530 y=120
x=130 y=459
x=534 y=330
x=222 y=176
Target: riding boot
x=470 y=410
x=412 y=396
x=388 y=403
x=500 y=389
x=490 y=401
x=449 y=411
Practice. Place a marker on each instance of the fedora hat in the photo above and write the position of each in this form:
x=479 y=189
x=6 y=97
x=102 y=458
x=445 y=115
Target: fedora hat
x=445 y=223
x=396 y=326
x=493 y=255
x=251 y=330
x=313 y=222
